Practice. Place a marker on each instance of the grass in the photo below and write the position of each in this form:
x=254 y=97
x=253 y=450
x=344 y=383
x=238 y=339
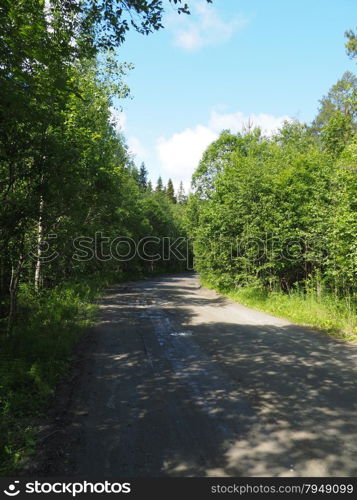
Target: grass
x=334 y=316
x=35 y=357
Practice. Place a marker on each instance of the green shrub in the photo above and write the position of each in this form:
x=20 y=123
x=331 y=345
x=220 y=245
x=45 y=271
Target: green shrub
x=35 y=356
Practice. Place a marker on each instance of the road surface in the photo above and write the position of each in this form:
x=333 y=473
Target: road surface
x=179 y=381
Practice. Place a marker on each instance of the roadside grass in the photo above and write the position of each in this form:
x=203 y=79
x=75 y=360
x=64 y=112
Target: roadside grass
x=335 y=316
x=35 y=356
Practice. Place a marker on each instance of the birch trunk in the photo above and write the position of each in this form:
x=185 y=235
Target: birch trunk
x=39 y=247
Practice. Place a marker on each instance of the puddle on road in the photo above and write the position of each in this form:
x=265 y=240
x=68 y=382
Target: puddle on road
x=181 y=334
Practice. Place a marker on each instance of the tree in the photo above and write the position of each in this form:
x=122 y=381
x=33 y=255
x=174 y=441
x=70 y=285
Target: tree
x=341 y=97
x=296 y=135
x=159 y=186
x=135 y=173
x=351 y=44
x=337 y=133
x=279 y=213
x=216 y=156
x=181 y=196
x=170 y=192
x=143 y=177
x=104 y=25
x=65 y=174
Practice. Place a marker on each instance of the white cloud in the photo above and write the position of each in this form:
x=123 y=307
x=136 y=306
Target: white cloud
x=269 y=124
x=136 y=148
x=180 y=154
x=189 y=40
x=204 y=27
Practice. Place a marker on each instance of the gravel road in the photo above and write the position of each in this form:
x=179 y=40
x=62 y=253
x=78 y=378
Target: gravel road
x=179 y=381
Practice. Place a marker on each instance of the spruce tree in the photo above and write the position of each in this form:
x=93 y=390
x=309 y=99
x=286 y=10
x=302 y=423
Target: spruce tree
x=159 y=186
x=170 y=192
x=143 y=177
x=181 y=195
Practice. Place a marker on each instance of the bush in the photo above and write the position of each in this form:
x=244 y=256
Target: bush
x=35 y=356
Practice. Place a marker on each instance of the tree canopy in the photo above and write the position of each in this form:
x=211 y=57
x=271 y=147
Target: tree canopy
x=280 y=212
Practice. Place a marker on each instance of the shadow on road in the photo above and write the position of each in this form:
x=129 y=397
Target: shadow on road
x=177 y=385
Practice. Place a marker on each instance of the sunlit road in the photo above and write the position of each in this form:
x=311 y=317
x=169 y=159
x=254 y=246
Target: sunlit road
x=179 y=381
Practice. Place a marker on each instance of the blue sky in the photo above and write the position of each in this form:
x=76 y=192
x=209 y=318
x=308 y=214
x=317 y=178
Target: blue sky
x=228 y=61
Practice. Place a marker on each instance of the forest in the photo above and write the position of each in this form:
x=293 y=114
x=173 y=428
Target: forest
x=66 y=173
x=272 y=220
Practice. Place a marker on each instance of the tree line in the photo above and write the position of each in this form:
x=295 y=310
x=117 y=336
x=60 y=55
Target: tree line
x=280 y=213
x=65 y=170
x=65 y=173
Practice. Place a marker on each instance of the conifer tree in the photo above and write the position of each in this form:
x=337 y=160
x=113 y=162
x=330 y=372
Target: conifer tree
x=159 y=186
x=181 y=195
x=170 y=192
x=143 y=177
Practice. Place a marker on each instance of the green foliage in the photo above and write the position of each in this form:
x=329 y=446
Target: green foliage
x=279 y=214
x=65 y=173
x=213 y=161
x=336 y=316
x=36 y=356
x=351 y=44
x=143 y=177
x=338 y=132
x=159 y=186
x=341 y=97
x=170 y=192
x=181 y=195
x=105 y=24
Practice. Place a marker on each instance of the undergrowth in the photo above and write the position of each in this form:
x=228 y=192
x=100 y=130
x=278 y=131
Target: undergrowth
x=35 y=356
x=328 y=313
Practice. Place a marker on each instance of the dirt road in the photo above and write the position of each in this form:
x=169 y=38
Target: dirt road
x=179 y=381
